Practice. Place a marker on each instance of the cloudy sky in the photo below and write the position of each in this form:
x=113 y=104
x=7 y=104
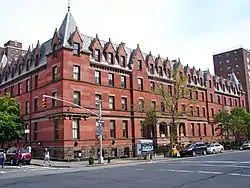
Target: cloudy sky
x=192 y=30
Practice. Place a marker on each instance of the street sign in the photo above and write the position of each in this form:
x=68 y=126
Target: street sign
x=100 y=123
x=98 y=131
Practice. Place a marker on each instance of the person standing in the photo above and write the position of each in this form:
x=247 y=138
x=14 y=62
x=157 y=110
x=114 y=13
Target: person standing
x=2 y=157
x=46 y=157
x=18 y=157
x=29 y=148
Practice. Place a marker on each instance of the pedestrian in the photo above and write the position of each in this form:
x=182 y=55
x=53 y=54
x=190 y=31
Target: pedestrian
x=2 y=158
x=18 y=157
x=46 y=157
x=29 y=148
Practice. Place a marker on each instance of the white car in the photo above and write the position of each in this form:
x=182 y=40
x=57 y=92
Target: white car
x=215 y=148
x=246 y=145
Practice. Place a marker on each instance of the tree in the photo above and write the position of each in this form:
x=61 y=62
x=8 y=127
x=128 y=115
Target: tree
x=11 y=123
x=170 y=99
x=234 y=121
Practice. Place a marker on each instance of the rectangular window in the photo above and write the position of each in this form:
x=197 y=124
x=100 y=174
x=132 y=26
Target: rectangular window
x=35 y=104
x=196 y=95
x=12 y=91
x=125 y=129
x=26 y=126
x=97 y=55
x=111 y=102
x=124 y=103
x=123 y=81
x=36 y=81
x=111 y=79
x=218 y=99
x=141 y=105
x=212 y=112
x=151 y=69
x=19 y=89
x=225 y=100
x=56 y=129
x=205 y=129
x=140 y=84
x=203 y=112
x=212 y=129
x=35 y=131
x=76 y=97
x=75 y=129
x=198 y=111
x=183 y=108
x=27 y=107
x=28 y=65
x=154 y=104
x=235 y=102
x=190 y=94
x=19 y=69
x=112 y=129
x=97 y=77
x=191 y=111
x=139 y=65
x=98 y=99
x=54 y=73
x=242 y=103
x=110 y=58
x=211 y=98
x=76 y=48
x=230 y=102
x=54 y=94
x=192 y=129
x=76 y=72
x=202 y=96
x=162 y=107
x=152 y=86
x=170 y=90
x=199 y=129
x=123 y=64
x=160 y=71
x=27 y=85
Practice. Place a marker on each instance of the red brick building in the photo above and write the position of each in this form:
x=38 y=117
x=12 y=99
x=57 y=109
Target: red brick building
x=82 y=69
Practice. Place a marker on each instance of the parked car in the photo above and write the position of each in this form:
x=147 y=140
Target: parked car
x=10 y=156
x=194 y=149
x=215 y=148
x=246 y=145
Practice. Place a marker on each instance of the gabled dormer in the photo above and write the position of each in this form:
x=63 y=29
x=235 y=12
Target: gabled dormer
x=194 y=76
x=188 y=73
x=109 y=52
x=96 y=49
x=200 y=77
x=136 y=60
x=121 y=55
x=150 y=63
x=159 y=65
x=76 y=42
x=20 y=64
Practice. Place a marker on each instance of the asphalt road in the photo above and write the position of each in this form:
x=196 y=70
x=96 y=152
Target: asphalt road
x=223 y=171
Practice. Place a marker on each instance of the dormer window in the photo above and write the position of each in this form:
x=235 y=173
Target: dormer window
x=6 y=76
x=139 y=65
x=54 y=48
x=12 y=73
x=160 y=71
x=234 y=90
x=37 y=60
x=28 y=65
x=210 y=84
x=76 y=48
x=110 y=57
x=20 y=69
x=223 y=87
x=123 y=64
x=189 y=78
x=97 y=55
x=169 y=73
x=217 y=86
x=195 y=80
x=181 y=76
x=151 y=70
x=201 y=81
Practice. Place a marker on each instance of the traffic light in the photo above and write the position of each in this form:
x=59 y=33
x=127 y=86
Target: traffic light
x=44 y=103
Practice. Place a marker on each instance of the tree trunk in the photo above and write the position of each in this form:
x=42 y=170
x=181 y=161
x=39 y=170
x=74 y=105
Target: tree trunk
x=171 y=133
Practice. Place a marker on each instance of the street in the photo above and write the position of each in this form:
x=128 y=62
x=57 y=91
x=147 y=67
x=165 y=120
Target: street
x=223 y=171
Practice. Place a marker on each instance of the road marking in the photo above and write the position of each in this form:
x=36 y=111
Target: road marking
x=139 y=169
x=2 y=172
x=213 y=165
x=205 y=172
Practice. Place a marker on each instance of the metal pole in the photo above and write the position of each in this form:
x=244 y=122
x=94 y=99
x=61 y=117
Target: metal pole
x=100 y=118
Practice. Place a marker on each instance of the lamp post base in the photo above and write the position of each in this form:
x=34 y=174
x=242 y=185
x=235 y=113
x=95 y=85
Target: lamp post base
x=100 y=160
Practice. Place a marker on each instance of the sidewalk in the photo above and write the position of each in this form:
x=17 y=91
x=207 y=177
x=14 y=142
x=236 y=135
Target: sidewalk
x=77 y=164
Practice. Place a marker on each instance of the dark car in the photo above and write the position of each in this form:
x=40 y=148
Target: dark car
x=10 y=156
x=198 y=148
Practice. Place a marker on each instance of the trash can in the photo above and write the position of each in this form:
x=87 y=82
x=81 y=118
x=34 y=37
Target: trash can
x=91 y=161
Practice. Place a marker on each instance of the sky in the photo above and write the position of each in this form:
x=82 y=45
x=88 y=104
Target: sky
x=192 y=30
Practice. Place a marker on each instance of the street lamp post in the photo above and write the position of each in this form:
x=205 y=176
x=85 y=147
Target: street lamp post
x=99 y=115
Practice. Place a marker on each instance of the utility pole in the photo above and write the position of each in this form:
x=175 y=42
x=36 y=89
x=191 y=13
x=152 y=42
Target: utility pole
x=99 y=115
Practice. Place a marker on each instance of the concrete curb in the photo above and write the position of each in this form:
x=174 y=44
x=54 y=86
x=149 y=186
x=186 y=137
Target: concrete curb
x=34 y=164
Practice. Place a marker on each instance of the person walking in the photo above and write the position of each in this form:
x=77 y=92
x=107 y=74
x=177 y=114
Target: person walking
x=2 y=158
x=18 y=157
x=46 y=157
